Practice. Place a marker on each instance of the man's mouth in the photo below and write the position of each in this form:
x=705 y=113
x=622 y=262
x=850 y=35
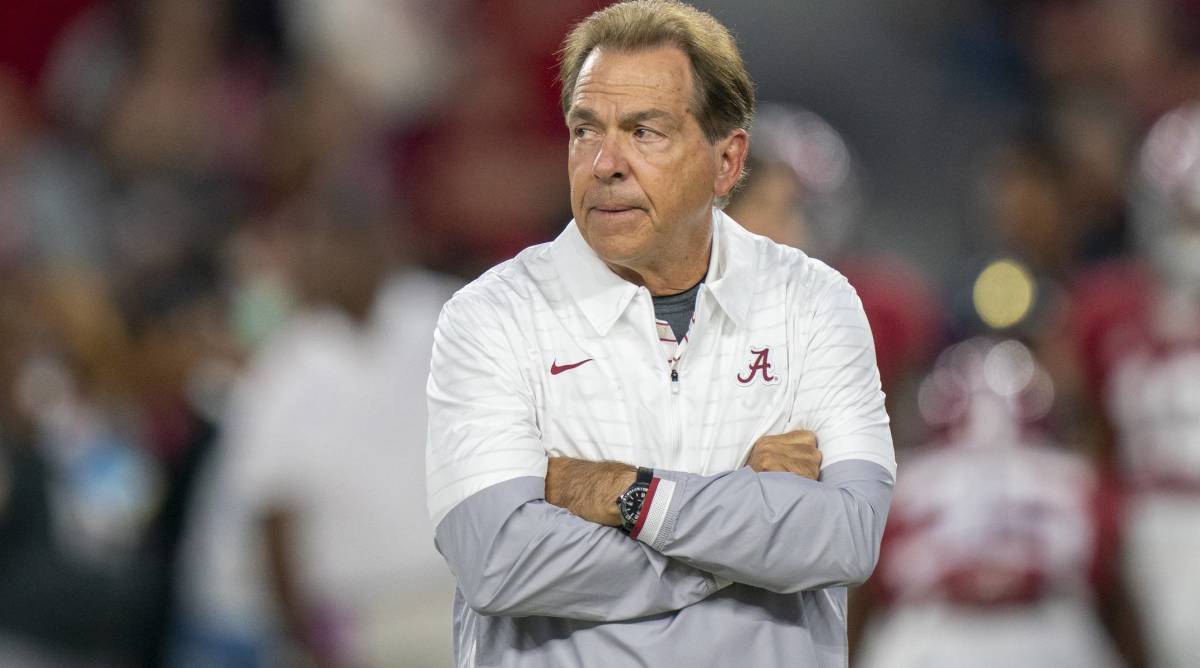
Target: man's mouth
x=613 y=208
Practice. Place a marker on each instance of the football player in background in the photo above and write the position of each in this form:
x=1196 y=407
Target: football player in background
x=1136 y=325
x=1000 y=549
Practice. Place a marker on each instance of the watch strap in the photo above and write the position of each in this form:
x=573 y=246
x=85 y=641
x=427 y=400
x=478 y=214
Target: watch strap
x=644 y=476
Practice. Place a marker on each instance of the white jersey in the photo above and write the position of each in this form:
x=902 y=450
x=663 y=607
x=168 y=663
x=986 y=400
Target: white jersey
x=1154 y=400
x=995 y=548
x=602 y=386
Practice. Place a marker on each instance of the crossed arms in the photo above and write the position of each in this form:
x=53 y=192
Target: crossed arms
x=535 y=535
x=516 y=553
x=588 y=489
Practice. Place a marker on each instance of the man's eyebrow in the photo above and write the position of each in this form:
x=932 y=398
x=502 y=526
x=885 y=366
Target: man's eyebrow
x=639 y=117
x=585 y=115
x=582 y=115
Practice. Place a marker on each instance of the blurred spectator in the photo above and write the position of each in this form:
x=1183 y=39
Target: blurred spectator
x=1027 y=242
x=1030 y=248
x=73 y=587
x=323 y=460
x=51 y=196
x=1024 y=206
x=502 y=118
x=306 y=545
x=182 y=361
x=1090 y=139
x=179 y=107
x=354 y=41
x=1139 y=57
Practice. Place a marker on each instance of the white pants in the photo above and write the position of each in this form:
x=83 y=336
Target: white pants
x=1162 y=565
x=1055 y=633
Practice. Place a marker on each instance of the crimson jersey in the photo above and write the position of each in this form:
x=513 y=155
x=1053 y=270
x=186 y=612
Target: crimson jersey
x=1141 y=350
x=1108 y=309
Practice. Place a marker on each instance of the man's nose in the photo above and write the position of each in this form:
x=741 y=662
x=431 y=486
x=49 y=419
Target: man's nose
x=610 y=163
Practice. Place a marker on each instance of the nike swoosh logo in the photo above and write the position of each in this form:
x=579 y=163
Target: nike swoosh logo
x=555 y=369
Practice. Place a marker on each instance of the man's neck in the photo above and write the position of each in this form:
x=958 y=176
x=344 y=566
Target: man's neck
x=674 y=269
x=678 y=274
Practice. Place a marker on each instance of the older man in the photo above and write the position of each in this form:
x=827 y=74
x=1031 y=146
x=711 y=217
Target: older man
x=655 y=332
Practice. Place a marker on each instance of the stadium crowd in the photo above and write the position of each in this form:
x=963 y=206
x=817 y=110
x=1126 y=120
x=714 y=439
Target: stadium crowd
x=227 y=228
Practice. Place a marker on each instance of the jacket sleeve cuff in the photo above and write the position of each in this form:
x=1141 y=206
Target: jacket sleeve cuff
x=657 y=519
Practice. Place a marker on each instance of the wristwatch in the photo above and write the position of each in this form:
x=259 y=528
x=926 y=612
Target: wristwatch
x=629 y=504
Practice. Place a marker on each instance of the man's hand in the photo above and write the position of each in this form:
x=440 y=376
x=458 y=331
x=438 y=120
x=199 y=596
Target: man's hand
x=793 y=452
x=588 y=489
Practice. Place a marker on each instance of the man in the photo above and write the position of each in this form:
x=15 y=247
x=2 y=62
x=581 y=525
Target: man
x=655 y=331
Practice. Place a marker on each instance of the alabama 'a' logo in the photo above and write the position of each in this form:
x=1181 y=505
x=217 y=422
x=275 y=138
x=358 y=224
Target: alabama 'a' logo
x=760 y=367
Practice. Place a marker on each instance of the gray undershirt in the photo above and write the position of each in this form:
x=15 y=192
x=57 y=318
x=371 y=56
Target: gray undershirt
x=678 y=309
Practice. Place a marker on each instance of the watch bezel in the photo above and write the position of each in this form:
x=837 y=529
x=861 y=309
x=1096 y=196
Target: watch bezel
x=633 y=499
x=630 y=504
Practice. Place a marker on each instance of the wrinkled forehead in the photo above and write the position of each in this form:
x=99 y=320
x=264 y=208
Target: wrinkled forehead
x=660 y=75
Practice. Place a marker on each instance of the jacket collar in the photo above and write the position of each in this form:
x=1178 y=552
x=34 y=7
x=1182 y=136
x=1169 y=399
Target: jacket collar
x=603 y=296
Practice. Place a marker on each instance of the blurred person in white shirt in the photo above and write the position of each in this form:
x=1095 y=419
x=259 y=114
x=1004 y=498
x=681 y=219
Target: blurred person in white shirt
x=322 y=467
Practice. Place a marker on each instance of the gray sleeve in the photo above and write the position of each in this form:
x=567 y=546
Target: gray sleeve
x=516 y=555
x=778 y=531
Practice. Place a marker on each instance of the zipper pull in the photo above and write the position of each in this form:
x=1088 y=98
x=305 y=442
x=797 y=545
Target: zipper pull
x=674 y=381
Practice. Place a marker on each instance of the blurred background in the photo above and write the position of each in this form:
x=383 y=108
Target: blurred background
x=226 y=230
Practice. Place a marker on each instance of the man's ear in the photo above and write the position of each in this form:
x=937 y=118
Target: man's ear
x=732 y=151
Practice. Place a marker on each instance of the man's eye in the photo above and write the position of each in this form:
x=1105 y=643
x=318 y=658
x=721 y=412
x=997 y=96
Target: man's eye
x=645 y=133
x=583 y=132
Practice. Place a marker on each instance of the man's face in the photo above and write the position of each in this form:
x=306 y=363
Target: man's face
x=643 y=175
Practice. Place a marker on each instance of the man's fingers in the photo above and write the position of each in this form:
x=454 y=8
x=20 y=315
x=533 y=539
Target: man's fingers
x=789 y=439
x=791 y=452
x=807 y=463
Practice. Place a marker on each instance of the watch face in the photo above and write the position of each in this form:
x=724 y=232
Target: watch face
x=631 y=503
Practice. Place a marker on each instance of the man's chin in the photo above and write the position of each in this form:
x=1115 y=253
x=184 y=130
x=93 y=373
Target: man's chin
x=626 y=228
x=619 y=250
x=615 y=217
